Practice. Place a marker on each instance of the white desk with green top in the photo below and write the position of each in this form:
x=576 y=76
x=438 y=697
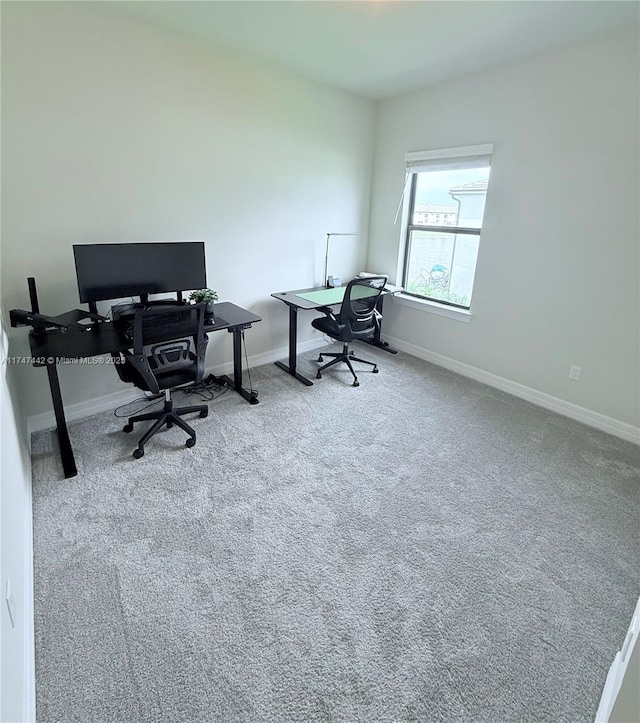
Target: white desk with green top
x=315 y=298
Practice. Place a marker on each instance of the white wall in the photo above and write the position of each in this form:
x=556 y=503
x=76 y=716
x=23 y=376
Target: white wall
x=17 y=674
x=557 y=280
x=115 y=130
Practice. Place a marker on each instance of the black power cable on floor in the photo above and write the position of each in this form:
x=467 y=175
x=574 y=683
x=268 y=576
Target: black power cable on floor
x=152 y=402
x=252 y=391
x=206 y=390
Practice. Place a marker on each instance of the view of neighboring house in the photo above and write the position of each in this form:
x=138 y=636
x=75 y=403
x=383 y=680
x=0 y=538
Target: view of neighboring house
x=436 y=214
x=470 y=198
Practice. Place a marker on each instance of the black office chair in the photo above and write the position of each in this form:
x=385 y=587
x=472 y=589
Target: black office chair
x=358 y=319
x=168 y=350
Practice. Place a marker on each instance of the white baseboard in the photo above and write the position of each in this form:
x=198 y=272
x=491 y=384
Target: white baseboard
x=625 y=431
x=593 y=419
x=80 y=410
x=280 y=354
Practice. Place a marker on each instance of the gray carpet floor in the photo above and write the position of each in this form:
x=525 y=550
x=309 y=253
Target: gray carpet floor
x=419 y=548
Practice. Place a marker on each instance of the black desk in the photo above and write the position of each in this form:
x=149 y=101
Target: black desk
x=321 y=297
x=56 y=346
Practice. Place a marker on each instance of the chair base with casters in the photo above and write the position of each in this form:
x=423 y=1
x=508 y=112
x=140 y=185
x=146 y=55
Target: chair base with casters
x=167 y=416
x=347 y=357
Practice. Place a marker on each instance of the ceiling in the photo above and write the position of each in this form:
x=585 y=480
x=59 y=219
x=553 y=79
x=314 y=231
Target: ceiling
x=381 y=48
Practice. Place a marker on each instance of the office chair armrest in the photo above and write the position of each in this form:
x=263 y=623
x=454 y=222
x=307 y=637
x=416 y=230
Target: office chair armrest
x=327 y=311
x=141 y=364
x=342 y=328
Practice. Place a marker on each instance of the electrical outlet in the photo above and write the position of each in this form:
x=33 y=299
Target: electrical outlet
x=11 y=604
x=574 y=373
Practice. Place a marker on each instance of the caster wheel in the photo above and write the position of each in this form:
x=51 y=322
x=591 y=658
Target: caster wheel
x=169 y=425
x=320 y=359
x=375 y=370
x=204 y=414
x=190 y=442
x=137 y=453
x=318 y=376
x=127 y=428
x=356 y=383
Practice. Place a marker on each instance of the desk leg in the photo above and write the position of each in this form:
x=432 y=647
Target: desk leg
x=293 y=346
x=236 y=382
x=376 y=340
x=66 y=451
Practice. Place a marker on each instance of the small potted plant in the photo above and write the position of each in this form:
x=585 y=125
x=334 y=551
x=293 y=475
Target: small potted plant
x=206 y=296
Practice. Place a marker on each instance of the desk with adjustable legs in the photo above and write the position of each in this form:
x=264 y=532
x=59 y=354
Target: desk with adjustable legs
x=51 y=347
x=310 y=300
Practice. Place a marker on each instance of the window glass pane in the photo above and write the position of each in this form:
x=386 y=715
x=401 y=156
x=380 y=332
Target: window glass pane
x=451 y=198
x=441 y=265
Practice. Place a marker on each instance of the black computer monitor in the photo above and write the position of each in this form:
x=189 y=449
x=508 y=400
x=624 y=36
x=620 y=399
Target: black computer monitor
x=114 y=271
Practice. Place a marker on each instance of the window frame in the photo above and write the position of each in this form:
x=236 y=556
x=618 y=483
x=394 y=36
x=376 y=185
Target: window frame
x=421 y=162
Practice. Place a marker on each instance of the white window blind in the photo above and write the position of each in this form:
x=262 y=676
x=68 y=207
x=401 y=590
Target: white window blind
x=448 y=158
x=443 y=159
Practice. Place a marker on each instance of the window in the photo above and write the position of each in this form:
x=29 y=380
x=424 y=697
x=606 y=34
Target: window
x=446 y=202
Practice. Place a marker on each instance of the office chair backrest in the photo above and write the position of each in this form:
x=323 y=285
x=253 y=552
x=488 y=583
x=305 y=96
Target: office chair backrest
x=169 y=345
x=359 y=304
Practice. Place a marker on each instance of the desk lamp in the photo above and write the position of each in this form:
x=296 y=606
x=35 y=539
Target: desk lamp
x=328 y=285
